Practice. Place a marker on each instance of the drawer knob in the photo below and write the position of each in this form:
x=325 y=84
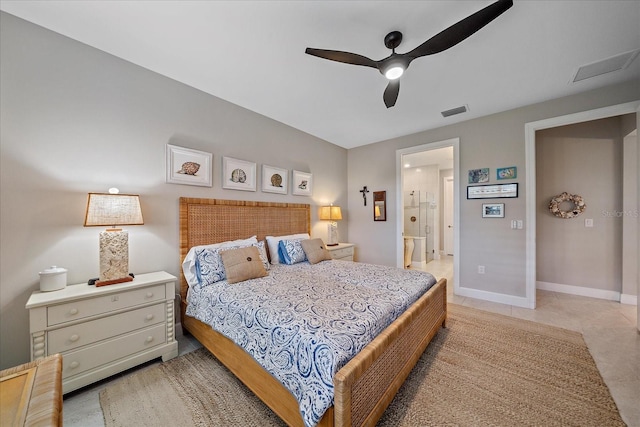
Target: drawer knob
x=73 y=311
x=149 y=294
x=74 y=338
x=74 y=364
x=149 y=316
x=149 y=339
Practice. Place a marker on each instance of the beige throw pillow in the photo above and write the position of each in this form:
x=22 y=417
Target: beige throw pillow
x=242 y=264
x=315 y=250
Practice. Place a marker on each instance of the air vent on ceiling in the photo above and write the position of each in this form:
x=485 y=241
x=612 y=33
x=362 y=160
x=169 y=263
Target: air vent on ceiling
x=615 y=63
x=454 y=111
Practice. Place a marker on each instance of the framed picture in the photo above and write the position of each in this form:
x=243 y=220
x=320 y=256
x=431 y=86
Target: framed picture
x=189 y=167
x=238 y=174
x=507 y=173
x=274 y=180
x=496 y=191
x=477 y=176
x=493 y=210
x=302 y=183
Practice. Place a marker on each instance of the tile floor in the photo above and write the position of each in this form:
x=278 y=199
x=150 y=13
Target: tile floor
x=608 y=329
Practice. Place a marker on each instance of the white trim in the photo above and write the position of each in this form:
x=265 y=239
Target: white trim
x=629 y=299
x=420 y=265
x=579 y=290
x=455 y=143
x=530 y=157
x=491 y=296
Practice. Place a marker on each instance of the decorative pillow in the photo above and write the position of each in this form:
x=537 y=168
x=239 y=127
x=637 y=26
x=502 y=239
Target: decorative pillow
x=209 y=265
x=189 y=263
x=315 y=250
x=291 y=252
x=242 y=264
x=273 y=242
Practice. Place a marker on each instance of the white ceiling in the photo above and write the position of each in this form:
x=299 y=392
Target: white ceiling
x=251 y=53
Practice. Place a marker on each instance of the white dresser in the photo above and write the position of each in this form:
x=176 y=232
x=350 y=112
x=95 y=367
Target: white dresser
x=101 y=331
x=343 y=251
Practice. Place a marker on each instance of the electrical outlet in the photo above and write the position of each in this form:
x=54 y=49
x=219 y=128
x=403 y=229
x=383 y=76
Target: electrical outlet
x=481 y=269
x=588 y=222
x=520 y=224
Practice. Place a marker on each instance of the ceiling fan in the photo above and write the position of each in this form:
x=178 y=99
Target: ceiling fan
x=393 y=66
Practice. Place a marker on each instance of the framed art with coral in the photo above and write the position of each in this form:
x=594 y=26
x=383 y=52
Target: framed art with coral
x=188 y=167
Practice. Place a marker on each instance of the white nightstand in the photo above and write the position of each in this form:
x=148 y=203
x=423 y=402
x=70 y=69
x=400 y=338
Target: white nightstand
x=343 y=251
x=105 y=330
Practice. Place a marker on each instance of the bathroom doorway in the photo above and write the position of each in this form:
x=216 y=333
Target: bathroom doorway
x=427 y=203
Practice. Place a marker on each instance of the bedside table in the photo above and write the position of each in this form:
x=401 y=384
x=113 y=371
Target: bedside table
x=105 y=330
x=343 y=251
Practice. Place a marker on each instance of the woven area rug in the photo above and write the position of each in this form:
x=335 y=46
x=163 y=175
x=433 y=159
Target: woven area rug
x=484 y=369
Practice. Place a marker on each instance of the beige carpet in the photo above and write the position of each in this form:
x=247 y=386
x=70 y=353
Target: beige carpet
x=484 y=369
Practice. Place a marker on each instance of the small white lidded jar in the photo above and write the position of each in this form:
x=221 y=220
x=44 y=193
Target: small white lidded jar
x=53 y=279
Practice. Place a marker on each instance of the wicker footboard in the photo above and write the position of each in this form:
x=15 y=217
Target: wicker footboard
x=365 y=386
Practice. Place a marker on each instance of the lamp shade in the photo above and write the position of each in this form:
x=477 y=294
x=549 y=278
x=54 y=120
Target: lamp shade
x=331 y=213
x=113 y=209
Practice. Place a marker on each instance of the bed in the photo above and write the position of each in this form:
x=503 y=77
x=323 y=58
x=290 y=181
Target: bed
x=366 y=385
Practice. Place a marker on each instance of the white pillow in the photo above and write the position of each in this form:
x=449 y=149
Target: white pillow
x=189 y=263
x=272 y=243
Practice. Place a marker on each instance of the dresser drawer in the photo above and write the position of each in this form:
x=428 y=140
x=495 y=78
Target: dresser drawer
x=75 y=310
x=342 y=253
x=85 y=359
x=70 y=337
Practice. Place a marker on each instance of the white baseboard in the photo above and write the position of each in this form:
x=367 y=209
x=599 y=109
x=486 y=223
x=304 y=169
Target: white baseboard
x=491 y=296
x=421 y=265
x=629 y=299
x=579 y=290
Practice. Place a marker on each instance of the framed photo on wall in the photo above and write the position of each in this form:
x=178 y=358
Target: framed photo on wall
x=188 y=167
x=495 y=191
x=274 y=180
x=302 y=184
x=238 y=174
x=493 y=210
x=477 y=176
x=507 y=173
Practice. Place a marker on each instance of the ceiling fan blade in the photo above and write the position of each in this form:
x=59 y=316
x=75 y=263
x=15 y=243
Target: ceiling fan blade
x=461 y=30
x=391 y=93
x=346 y=57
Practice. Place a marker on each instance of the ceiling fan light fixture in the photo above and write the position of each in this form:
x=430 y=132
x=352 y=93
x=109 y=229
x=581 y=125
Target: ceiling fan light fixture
x=394 y=72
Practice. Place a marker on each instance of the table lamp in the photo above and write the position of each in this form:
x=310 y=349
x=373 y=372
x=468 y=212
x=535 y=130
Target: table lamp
x=113 y=209
x=332 y=214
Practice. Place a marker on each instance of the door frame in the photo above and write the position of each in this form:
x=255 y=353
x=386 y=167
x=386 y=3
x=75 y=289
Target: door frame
x=445 y=184
x=455 y=143
x=530 y=161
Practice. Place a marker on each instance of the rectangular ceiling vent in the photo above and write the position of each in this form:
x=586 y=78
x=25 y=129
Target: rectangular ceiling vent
x=454 y=111
x=615 y=63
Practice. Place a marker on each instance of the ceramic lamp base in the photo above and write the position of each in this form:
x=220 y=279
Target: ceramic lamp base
x=332 y=231
x=114 y=256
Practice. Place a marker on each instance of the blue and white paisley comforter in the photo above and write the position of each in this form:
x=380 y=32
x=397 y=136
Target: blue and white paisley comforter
x=303 y=322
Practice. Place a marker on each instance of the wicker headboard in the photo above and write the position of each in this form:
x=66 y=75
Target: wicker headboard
x=205 y=221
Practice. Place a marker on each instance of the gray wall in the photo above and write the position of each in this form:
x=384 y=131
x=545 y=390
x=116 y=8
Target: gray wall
x=584 y=159
x=76 y=120
x=493 y=141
